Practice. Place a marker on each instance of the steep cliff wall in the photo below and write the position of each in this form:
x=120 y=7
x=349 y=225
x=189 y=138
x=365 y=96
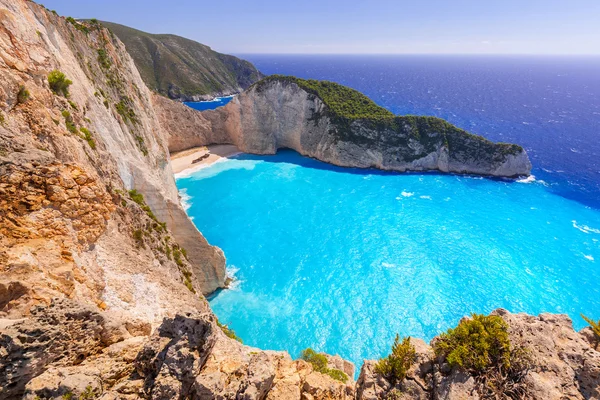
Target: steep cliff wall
x=67 y=224
x=340 y=126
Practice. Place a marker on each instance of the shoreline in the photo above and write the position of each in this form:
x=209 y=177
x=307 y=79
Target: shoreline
x=182 y=162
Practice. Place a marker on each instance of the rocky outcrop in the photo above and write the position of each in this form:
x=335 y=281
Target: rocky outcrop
x=72 y=350
x=285 y=112
x=563 y=365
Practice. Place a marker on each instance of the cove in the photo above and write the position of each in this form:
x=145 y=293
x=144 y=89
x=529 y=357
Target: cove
x=341 y=260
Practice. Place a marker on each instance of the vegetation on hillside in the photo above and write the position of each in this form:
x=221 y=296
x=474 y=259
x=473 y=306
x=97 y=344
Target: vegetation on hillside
x=178 y=67
x=229 y=332
x=23 y=95
x=319 y=364
x=59 y=84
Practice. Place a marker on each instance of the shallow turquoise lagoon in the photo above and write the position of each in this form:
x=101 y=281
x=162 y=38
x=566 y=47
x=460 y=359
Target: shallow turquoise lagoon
x=342 y=259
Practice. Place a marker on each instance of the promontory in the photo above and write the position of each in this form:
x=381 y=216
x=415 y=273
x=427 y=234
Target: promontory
x=340 y=126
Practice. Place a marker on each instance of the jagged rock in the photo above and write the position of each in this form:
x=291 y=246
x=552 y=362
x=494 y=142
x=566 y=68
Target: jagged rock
x=564 y=363
x=417 y=385
x=175 y=354
x=64 y=334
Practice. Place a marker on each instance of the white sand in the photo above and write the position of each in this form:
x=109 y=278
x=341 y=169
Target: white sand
x=183 y=160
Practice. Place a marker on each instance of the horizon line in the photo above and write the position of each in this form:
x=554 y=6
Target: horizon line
x=419 y=54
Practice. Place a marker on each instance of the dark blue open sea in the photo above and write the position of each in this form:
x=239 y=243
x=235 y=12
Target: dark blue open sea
x=340 y=259
x=549 y=105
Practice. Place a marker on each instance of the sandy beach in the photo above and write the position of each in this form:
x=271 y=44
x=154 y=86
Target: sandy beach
x=184 y=160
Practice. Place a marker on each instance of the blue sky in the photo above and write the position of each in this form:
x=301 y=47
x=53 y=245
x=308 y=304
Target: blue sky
x=356 y=27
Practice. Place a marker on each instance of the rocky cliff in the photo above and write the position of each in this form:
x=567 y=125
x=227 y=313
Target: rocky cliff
x=67 y=161
x=340 y=126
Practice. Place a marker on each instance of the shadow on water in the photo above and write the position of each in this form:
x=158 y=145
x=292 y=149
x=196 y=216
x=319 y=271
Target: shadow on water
x=289 y=156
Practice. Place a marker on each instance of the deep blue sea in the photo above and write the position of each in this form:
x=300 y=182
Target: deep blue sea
x=342 y=259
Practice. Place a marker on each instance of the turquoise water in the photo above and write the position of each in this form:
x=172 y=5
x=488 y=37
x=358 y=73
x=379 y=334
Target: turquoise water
x=341 y=259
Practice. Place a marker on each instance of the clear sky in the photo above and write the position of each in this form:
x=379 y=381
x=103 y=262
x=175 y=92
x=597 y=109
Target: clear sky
x=366 y=26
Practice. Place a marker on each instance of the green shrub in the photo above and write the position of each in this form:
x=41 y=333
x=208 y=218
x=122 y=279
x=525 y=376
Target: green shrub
x=73 y=105
x=125 y=111
x=482 y=346
x=137 y=197
x=2 y=120
x=78 y=26
x=177 y=256
x=141 y=144
x=395 y=366
x=476 y=344
x=138 y=235
x=59 y=84
x=229 y=332
x=595 y=328
x=88 y=394
x=106 y=103
x=104 y=59
x=69 y=122
x=23 y=95
x=319 y=364
x=88 y=137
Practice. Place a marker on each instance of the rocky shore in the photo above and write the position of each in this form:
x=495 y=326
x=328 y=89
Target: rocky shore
x=102 y=274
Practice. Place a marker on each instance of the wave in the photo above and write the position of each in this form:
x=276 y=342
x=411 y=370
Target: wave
x=230 y=275
x=585 y=228
x=407 y=194
x=185 y=199
x=589 y=257
x=529 y=179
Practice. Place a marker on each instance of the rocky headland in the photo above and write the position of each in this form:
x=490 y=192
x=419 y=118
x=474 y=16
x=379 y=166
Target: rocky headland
x=340 y=126
x=103 y=274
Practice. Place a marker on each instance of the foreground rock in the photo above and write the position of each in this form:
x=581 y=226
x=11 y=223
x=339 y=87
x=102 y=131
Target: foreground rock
x=286 y=112
x=69 y=349
x=564 y=365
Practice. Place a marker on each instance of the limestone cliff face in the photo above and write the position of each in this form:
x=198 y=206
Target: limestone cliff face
x=279 y=113
x=68 y=228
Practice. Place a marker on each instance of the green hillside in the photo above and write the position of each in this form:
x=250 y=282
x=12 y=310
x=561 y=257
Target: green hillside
x=180 y=68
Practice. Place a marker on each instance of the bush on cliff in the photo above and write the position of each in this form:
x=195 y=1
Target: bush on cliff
x=481 y=346
x=23 y=95
x=229 y=332
x=319 y=364
x=476 y=344
x=59 y=84
x=395 y=366
x=595 y=328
